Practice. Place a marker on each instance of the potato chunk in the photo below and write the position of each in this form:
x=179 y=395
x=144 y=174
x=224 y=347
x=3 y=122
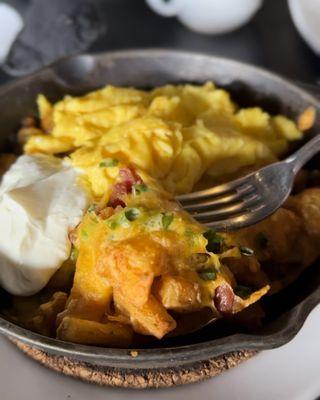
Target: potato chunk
x=273 y=239
x=131 y=266
x=179 y=294
x=91 y=293
x=307 y=205
x=95 y=333
x=151 y=318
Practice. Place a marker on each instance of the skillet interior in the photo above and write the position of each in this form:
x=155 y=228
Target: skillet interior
x=249 y=86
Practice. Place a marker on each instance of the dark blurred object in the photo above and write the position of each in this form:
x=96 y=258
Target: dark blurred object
x=54 y=29
x=269 y=40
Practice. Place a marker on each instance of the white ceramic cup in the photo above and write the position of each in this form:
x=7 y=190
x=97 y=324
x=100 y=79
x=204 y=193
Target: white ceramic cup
x=10 y=26
x=208 y=16
x=306 y=17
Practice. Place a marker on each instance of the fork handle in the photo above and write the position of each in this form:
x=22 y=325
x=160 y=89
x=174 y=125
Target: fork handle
x=304 y=154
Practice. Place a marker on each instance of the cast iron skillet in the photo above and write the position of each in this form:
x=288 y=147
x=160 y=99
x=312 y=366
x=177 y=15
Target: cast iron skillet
x=287 y=311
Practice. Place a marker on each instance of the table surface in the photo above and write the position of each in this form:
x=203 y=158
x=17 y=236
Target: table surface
x=290 y=372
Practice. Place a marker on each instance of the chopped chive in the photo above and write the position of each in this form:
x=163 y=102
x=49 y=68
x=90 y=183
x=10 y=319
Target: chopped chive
x=208 y=274
x=123 y=218
x=109 y=162
x=113 y=225
x=246 y=251
x=166 y=220
x=84 y=234
x=132 y=214
x=92 y=208
x=262 y=240
x=243 y=291
x=139 y=188
x=215 y=241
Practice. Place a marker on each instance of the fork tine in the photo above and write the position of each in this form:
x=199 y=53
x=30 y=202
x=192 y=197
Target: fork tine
x=238 y=220
x=245 y=205
x=218 y=213
x=238 y=184
x=252 y=200
x=224 y=224
x=231 y=198
x=244 y=201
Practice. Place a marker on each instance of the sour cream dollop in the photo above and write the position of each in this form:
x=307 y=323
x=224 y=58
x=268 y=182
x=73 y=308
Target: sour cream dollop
x=40 y=202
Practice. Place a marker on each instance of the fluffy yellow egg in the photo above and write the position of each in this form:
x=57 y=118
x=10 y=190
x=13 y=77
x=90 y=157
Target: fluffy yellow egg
x=181 y=135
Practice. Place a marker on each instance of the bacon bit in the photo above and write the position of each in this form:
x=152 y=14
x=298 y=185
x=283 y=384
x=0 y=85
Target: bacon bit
x=128 y=178
x=119 y=190
x=306 y=119
x=106 y=213
x=223 y=299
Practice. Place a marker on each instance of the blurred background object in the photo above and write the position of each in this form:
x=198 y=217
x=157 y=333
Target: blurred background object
x=54 y=29
x=10 y=26
x=208 y=16
x=306 y=17
x=269 y=39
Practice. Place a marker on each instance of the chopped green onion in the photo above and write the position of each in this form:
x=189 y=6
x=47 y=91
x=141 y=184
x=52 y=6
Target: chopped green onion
x=92 y=208
x=246 y=251
x=208 y=274
x=262 y=240
x=123 y=218
x=166 y=220
x=139 y=188
x=215 y=241
x=243 y=291
x=112 y=225
x=109 y=162
x=84 y=234
x=132 y=214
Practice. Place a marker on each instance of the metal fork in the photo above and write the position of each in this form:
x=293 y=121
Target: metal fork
x=248 y=200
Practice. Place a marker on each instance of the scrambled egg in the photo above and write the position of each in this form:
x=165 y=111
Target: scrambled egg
x=179 y=135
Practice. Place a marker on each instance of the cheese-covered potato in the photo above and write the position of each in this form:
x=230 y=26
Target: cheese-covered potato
x=140 y=258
